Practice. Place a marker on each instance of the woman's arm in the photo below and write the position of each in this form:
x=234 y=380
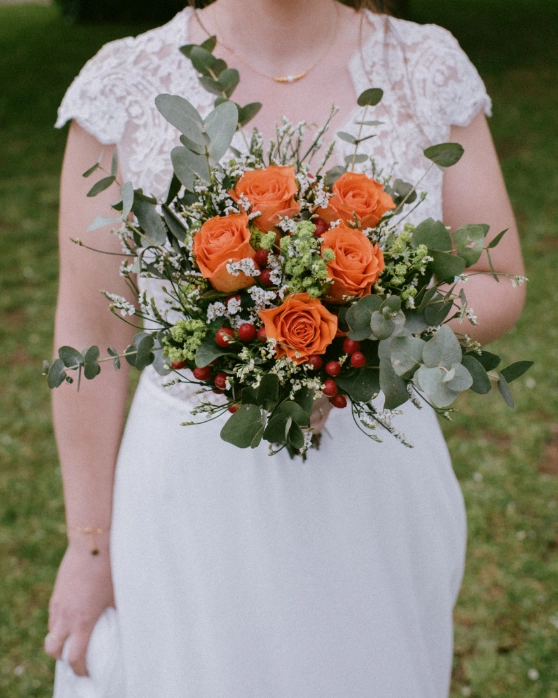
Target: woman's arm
x=88 y=424
x=474 y=192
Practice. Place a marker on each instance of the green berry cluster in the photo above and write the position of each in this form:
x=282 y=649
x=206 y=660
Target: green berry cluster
x=305 y=267
x=184 y=339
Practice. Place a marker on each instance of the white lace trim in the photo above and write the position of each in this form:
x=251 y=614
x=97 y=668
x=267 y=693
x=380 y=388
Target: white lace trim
x=428 y=81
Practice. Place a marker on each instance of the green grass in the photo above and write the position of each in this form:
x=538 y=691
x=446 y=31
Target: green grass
x=507 y=462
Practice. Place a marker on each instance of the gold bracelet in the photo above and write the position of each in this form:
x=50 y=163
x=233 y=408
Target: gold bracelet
x=93 y=533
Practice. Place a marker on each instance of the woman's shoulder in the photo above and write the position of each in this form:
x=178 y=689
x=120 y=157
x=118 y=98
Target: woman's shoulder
x=119 y=74
x=440 y=74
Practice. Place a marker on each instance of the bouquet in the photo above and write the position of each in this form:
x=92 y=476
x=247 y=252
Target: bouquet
x=286 y=281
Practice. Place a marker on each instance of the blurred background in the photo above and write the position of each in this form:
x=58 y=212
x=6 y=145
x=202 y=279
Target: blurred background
x=506 y=641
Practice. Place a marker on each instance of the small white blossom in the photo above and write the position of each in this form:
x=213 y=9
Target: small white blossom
x=215 y=310
x=244 y=266
x=119 y=303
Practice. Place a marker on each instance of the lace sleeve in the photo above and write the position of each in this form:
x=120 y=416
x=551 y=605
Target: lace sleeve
x=448 y=82
x=99 y=98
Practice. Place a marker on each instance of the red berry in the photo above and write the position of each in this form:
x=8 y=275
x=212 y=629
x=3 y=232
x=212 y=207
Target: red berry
x=246 y=332
x=358 y=360
x=215 y=390
x=350 y=346
x=177 y=365
x=315 y=361
x=339 y=401
x=261 y=257
x=265 y=277
x=202 y=374
x=220 y=381
x=333 y=368
x=262 y=335
x=234 y=408
x=224 y=337
x=321 y=227
x=330 y=388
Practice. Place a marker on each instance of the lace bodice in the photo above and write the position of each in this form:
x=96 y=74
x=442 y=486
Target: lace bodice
x=428 y=81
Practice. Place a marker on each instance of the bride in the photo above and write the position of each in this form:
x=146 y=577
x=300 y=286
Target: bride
x=235 y=575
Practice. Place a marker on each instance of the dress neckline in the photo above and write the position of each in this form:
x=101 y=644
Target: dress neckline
x=355 y=64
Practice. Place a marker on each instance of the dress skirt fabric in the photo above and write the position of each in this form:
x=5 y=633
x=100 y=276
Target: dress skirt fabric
x=239 y=575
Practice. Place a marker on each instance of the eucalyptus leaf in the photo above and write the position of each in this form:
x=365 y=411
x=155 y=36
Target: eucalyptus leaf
x=446 y=266
x=208 y=351
x=276 y=430
x=174 y=188
x=406 y=355
x=211 y=85
x=488 y=360
x=203 y=60
x=229 y=79
x=268 y=391
x=445 y=154
x=430 y=382
x=505 y=391
x=150 y=222
x=393 y=387
x=333 y=174
x=90 y=171
x=516 y=370
x=433 y=234
x=114 y=162
x=415 y=321
x=249 y=396
x=361 y=384
x=461 y=378
x=145 y=356
x=381 y=327
x=442 y=350
x=194 y=147
x=348 y=137
x=90 y=366
x=469 y=242
x=56 y=374
x=186 y=164
x=497 y=239
x=296 y=437
x=481 y=381
x=248 y=112
x=71 y=357
x=360 y=313
x=305 y=398
x=116 y=359
x=101 y=222
x=182 y=115
x=295 y=411
x=174 y=224
x=356 y=158
x=438 y=310
x=370 y=97
x=243 y=426
x=101 y=185
x=220 y=126
x=130 y=354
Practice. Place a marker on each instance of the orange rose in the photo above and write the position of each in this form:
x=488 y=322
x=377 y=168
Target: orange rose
x=357 y=264
x=271 y=192
x=301 y=326
x=357 y=194
x=220 y=240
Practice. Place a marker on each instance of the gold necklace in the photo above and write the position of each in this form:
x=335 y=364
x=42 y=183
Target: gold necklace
x=283 y=79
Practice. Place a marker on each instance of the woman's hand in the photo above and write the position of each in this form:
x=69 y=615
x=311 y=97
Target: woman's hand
x=322 y=408
x=83 y=590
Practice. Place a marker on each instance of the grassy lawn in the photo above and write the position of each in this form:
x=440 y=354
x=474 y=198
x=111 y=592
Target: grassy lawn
x=507 y=462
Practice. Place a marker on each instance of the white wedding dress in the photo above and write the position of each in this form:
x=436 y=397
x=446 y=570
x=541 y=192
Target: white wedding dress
x=238 y=575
